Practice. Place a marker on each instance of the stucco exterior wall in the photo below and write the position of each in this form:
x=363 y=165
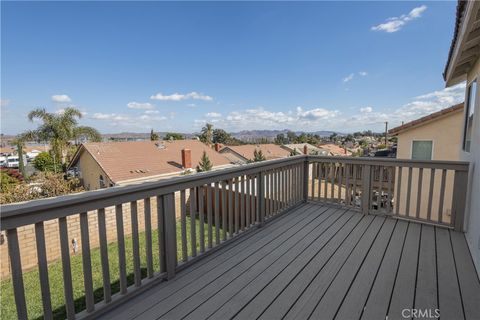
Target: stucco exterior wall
x=446 y=134
x=473 y=200
x=90 y=172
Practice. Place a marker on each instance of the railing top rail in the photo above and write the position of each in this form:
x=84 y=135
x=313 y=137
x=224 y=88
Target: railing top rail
x=435 y=164
x=44 y=209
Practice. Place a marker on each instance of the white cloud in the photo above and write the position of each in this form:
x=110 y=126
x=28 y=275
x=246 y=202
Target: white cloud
x=213 y=115
x=178 y=97
x=152 y=112
x=363 y=73
x=366 y=110
x=140 y=105
x=396 y=23
x=61 y=98
x=348 y=78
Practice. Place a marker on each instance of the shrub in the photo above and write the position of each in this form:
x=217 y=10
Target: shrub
x=44 y=162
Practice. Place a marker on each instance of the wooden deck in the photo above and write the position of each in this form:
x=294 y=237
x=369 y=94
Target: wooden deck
x=319 y=262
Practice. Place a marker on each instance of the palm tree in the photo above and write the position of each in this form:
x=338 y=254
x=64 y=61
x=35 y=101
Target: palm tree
x=207 y=133
x=59 y=129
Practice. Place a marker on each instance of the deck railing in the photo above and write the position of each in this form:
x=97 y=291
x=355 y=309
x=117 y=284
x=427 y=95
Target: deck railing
x=194 y=215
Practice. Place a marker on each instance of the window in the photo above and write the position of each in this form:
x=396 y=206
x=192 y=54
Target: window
x=102 y=182
x=422 y=150
x=469 y=112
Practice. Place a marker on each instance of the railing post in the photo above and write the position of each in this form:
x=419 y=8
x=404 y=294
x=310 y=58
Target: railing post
x=460 y=182
x=366 y=186
x=261 y=197
x=170 y=234
x=305 y=179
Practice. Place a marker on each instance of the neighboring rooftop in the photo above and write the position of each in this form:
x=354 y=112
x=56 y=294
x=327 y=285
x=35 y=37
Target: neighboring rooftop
x=335 y=150
x=431 y=117
x=123 y=161
x=269 y=150
x=298 y=147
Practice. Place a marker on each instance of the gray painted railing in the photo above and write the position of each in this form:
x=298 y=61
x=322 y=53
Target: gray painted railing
x=219 y=207
x=216 y=207
x=425 y=191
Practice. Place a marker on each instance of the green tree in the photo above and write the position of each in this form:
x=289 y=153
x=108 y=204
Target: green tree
x=19 y=141
x=205 y=164
x=44 y=162
x=280 y=139
x=291 y=137
x=294 y=152
x=153 y=136
x=221 y=136
x=174 y=136
x=59 y=129
x=207 y=134
x=258 y=156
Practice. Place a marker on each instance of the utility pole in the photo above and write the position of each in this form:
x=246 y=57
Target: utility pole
x=386 y=133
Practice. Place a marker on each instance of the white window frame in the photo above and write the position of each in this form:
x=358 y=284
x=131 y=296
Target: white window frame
x=420 y=140
x=467 y=111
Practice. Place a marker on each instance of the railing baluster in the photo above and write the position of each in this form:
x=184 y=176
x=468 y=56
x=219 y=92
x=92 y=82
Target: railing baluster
x=366 y=188
x=419 y=192
x=193 y=221
x=161 y=236
x=209 y=215
x=183 y=224
x=66 y=268
x=237 y=204
x=340 y=182
x=442 y=196
x=242 y=203
x=390 y=172
x=409 y=191
x=217 y=213
x=275 y=192
x=148 y=236
x=43 y=270
x=247 y=201
x=230 y=208
x=399 y=189
x=333 y=169
x=354 y=185
x=314 y=168
x=170 y=234
x=325 y=182
x=430 y=194
x=102 y=236
x=459 y=196
x=347 y=185
x=86 y=262
x=272 y=194
x=135 y=244
x=380 y=188
x=17 y=276
x=201 y=223
x=224 y=210
x=122 y=270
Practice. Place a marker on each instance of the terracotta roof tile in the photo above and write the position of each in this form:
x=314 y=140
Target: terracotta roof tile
x=123 y=161
x=269 y=150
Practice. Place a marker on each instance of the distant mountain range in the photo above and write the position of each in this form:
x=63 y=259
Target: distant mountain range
x=246 y=135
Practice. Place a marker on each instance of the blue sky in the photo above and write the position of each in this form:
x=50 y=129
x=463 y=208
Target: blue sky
x=311 y=66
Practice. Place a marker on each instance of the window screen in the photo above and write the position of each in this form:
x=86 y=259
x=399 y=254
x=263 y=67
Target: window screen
x=422 y=150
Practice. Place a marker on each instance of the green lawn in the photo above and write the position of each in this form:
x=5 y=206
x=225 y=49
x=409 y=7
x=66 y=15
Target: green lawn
x=32 y=283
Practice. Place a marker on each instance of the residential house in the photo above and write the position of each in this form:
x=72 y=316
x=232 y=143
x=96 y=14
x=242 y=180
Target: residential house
x=299 y=148
x=335 y=150
x=105 y=164
x=432 y=137
x=463 y=64
x=243 y=154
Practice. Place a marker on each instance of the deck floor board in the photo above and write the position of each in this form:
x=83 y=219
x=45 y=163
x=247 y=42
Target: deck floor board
x=319 y=261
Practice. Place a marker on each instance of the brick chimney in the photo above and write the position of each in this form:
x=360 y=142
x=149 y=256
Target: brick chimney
x=217 y=147
x=186 y=158
x=305 y=149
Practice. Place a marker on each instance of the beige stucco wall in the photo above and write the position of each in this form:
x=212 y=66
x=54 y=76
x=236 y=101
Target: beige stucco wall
x=473 y=200
x=446 y=134
x=90 y=172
